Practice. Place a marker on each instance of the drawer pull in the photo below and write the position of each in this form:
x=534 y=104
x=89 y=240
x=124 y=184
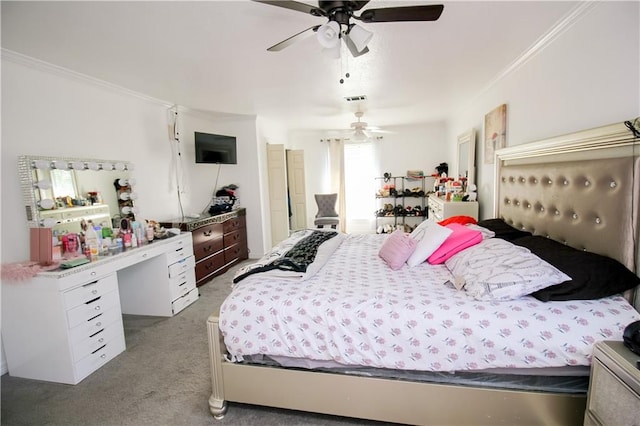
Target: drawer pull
x=207 y=233
x=103 y=356
x=181 y=284
x=97 y=308
x=91 y=283
x=98 y=324
x=100 y=340
x=93 y=274
x=94 y=291
x=100 y=348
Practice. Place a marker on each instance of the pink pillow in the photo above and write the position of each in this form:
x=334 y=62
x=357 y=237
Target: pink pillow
x=397 y=248
x=461 y=238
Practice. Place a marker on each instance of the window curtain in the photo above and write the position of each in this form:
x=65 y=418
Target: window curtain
x=336 y=175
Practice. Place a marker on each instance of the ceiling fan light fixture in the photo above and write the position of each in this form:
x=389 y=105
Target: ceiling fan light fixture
x=359 y=37
x=328 y=35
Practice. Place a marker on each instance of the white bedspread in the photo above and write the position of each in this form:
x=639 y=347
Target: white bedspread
x=358 y=311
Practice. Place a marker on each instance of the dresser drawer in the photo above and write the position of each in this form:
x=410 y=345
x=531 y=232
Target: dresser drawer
x=232 y=238
x=182 y=284
x=233 y=253
x=208 y=248
x=99 y=357
x=181 y=266
x=90 y=291
x=97 y=340
x=184 y=301
x=87 y=328
x=234 y=224
x=206 y=233
x=89 y=310
x=209 y=265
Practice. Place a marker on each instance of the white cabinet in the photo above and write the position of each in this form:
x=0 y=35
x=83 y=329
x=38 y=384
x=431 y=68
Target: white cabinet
x=439 y=209
x=614 y=387
x=62 y=325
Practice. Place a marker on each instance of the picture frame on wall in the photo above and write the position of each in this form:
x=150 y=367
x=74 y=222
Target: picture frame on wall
x=495 y=132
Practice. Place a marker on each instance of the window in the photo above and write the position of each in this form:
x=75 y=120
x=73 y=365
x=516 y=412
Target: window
x=359 y=174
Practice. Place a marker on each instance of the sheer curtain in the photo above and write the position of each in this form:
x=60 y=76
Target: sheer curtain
x=337 y=178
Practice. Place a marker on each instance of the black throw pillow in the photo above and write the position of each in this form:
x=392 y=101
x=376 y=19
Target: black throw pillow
x=502 y=229
x=593 y=276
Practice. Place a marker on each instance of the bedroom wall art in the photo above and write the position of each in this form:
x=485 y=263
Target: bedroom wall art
x=495 y=132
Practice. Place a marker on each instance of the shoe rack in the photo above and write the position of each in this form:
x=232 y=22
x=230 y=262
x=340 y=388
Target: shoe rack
x=401 y=203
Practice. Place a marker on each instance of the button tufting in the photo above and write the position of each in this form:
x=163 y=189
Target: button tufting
x=528 y=205
x=522 y=180
x=557 y=213
x=587 y=183
x=612 y=184
x=549 y=181
x=598 y=220
x=517 y=203
x=541 y=208
x=575 y=216
x=566 y=182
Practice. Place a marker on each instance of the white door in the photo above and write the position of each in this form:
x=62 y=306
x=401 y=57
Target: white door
x=297 y=193
x=278 y=193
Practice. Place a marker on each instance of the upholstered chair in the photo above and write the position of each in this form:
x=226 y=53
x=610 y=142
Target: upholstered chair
x=327 y=214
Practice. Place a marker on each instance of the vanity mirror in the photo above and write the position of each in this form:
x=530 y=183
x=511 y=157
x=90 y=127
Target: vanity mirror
x=466 y=156
x=60 y=192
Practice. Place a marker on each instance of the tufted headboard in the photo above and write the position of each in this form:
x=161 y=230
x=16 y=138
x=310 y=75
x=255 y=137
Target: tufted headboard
x=581 y=189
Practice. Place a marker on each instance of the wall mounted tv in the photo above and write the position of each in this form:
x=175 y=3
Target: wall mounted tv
x=215 y=149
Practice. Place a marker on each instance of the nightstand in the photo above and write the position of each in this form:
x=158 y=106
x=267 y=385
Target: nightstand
x=614 y=388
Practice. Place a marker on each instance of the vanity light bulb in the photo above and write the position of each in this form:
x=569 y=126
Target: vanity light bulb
x=133 y=195
x=61 y=165
x=132 y=181
x=42 y=164
x=124 y=196
x=43 y=184
x=46 y=204
x=130 y=166
x=92 y=165
x=119 y=167
x=107 y=166
x=126 y=210
x=48 y=222
x=77 y=165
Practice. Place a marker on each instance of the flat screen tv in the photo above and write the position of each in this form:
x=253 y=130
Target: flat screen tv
x=215 y=149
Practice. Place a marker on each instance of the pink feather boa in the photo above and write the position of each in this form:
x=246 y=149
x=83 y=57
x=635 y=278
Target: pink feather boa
x=22 y=271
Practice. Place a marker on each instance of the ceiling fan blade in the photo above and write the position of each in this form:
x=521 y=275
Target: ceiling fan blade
x=294 y=5
x=407 y=13
x=296 y=37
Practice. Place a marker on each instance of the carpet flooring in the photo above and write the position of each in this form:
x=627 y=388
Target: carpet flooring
x=163 y=378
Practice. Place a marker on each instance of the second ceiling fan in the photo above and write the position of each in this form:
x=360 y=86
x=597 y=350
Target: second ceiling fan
x=339 y=25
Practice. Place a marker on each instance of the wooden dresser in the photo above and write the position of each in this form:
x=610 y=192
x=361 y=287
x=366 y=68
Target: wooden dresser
x=218 y=242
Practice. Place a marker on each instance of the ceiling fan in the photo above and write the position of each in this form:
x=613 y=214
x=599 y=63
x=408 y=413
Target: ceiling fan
x=360 y=130
x=339 y=26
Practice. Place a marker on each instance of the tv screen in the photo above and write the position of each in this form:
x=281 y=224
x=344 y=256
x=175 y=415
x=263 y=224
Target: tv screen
x=215 y=149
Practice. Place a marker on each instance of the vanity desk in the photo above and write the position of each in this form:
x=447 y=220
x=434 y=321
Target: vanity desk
x=62 y=325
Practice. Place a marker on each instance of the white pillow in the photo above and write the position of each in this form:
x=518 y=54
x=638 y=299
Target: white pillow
x=429 y=236
x=496 y=269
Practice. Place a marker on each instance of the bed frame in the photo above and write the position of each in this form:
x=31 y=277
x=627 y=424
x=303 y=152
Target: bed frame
x=581 y=189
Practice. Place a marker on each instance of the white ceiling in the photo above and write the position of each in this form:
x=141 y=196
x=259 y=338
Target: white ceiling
x=211 y=55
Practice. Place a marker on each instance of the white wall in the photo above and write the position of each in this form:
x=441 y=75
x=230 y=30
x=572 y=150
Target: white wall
x=587 y=77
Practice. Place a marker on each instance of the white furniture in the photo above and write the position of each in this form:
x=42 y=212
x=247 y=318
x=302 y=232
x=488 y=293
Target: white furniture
x=614 y=388
x=69 y=219
x=63 y=325
x=439 y=209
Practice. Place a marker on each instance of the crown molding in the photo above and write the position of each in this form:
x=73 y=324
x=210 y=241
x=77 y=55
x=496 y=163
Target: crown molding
x=568 y=20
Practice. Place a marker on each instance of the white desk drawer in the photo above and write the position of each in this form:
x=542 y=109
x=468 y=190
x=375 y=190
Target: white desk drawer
x=178 y=251
x=99 y=357
x=182 y=284
x=87 y=328
x=184 y=301
x=95 y=341
x=181 y=266
x=90 y=291
x=87 y=311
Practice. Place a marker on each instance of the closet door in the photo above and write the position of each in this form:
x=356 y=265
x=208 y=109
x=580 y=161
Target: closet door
x=276 y=162
x=297 y=193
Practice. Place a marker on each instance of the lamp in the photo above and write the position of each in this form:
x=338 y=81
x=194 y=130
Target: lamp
x=60 y=165
x=359 y=36
x=43 y=184
x=329 y=34
x=77 y=165
x=46 y=204
x=332 y=52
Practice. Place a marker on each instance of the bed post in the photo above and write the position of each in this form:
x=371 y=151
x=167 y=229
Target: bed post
x=217 y=404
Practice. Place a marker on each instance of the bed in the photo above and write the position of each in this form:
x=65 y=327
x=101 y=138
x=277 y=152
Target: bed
x=356 y=338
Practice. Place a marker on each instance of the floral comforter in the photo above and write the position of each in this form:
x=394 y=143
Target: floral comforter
x=357 y=311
